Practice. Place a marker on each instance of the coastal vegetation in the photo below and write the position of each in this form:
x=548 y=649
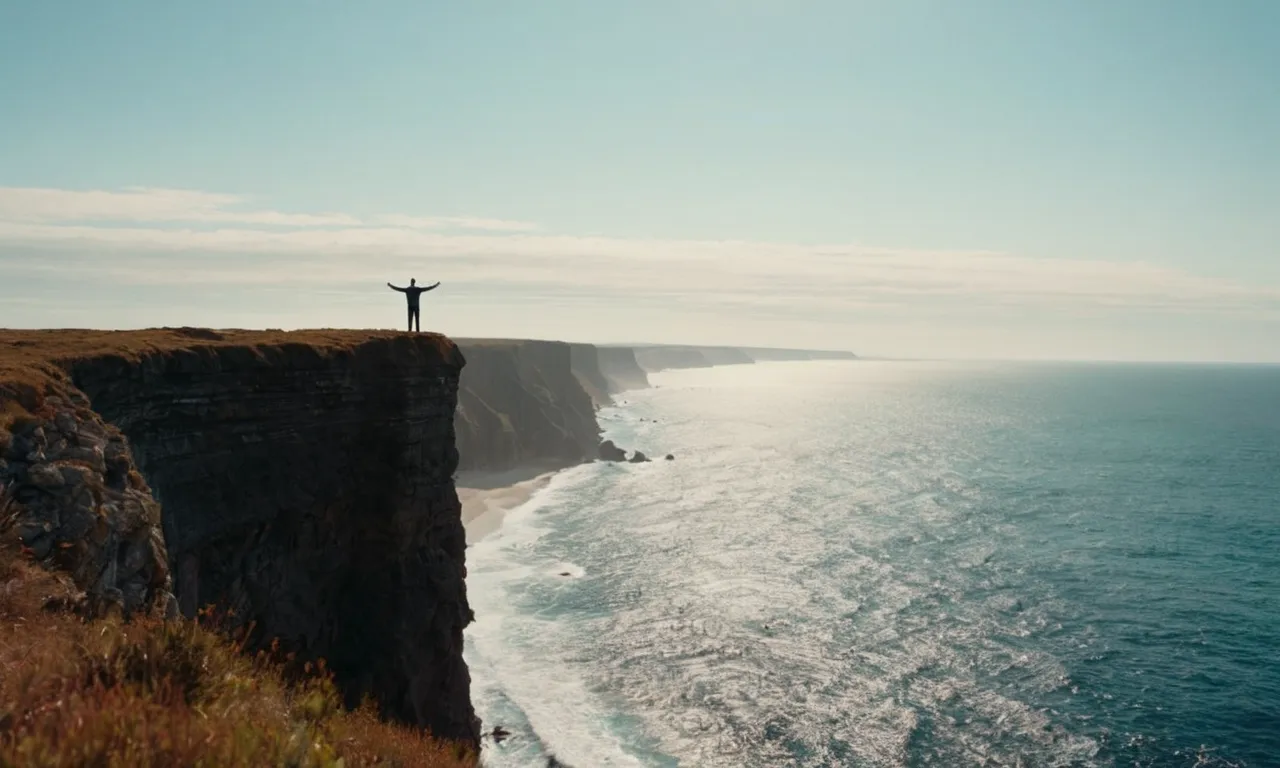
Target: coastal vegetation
x=78 y=691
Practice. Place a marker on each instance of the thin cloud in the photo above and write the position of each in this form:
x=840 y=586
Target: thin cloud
x=160 y=206
x=137 y=237
x=455 y=222
x=144 y=204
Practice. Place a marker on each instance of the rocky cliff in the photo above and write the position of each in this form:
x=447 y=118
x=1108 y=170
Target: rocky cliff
x=584 y=360
x=656 y=359
x=303 y=481
x=765 y=354
x=661 y=357
x=620 y=369
x=81 y=504
x=523 y=403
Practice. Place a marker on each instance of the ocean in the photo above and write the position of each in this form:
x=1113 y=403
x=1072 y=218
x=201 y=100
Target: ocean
x=899 y=564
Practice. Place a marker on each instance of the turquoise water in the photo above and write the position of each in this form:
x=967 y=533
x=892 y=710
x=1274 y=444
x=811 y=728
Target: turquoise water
x=900 y=564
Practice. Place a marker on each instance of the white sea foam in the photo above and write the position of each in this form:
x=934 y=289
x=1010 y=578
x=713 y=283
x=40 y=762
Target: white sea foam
x=545 y=706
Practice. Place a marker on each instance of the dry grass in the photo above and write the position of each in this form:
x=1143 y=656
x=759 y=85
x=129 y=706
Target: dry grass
x=154 y=693
x=32 y=362
x=25 y=347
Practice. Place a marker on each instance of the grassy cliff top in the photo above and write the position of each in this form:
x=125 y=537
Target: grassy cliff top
x=31 y=361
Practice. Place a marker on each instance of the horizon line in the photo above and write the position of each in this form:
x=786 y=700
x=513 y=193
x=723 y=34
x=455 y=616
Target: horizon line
x=857 y=357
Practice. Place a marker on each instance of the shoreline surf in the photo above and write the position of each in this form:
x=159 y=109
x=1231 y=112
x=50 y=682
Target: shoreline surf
x=487 y=497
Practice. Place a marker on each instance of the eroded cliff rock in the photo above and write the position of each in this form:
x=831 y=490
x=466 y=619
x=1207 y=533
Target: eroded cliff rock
x=305 y=482
x=81 y=505
x=521 y=403
x=607 y=451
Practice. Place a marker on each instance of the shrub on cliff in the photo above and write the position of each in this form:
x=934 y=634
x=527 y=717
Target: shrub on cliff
x=156 y=693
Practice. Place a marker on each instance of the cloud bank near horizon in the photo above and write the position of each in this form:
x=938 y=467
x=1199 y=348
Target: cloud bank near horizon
x=147 y=236
x=150 y=237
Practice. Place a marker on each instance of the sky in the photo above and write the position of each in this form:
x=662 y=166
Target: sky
x=1093 y=179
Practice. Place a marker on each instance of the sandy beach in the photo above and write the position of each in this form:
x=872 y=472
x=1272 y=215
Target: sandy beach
x=487 y=496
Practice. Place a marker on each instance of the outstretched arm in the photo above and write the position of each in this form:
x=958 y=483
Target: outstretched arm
x=395 y=288
x=431 y=287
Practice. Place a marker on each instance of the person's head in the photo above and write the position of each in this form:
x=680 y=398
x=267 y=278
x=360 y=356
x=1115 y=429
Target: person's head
x=412 y=281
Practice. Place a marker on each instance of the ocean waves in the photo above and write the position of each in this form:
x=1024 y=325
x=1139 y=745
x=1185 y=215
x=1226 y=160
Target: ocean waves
x=896 y=567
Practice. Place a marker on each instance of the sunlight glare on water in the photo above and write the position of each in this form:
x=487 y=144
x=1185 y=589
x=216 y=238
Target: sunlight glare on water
x=900 y=564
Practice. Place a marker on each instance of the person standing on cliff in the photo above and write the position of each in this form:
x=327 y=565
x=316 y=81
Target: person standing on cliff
x=411 y=294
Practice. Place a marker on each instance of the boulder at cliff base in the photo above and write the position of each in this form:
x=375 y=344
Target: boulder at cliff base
x=610 y=452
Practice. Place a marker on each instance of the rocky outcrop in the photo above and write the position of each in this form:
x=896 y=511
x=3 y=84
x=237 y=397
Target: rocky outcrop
x=304 y=483
x=521 y=403
x=610 y=452
x=83 y=507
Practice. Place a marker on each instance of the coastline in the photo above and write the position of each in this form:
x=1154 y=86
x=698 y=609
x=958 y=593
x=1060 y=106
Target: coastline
x=487 y=496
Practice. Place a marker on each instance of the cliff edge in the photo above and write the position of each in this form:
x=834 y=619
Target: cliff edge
x=302 y=480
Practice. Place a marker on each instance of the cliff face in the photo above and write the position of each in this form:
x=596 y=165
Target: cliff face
x=620 y=370
x=726 y=356
x=306 y=484
x=584 y=359
x=761 y=355
x=83 y=507
x=522 y=403
x=654 y=359
x=660 y=357
x=664 y=357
